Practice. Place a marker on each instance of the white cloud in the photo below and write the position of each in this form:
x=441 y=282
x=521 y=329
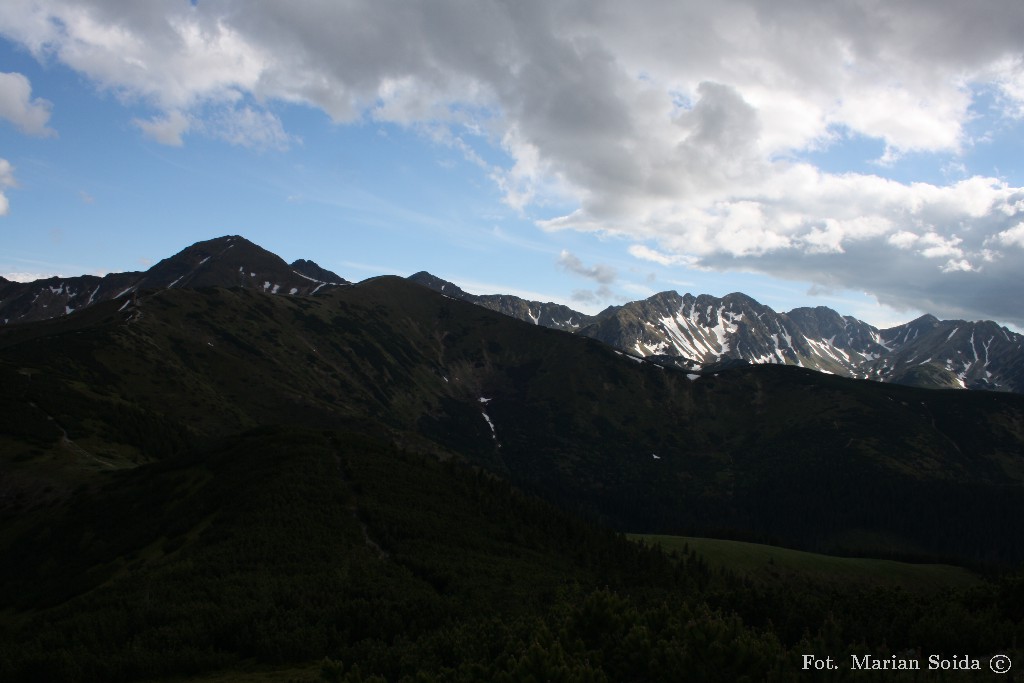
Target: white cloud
x=7 y=174
x=645 y=253
x=6 y=180
x=167 y=129
x=249 y=127
x=1008 y=75
x=243 y=125
x=903 y=239
x=18 y=107
x=170 y=54
x=20 y=276
x=1012 y=236
x=939 y=246
x=961 y=265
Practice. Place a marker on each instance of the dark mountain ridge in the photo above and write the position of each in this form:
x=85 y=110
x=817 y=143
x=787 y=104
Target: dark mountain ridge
x=229 y=261
x=555 y=316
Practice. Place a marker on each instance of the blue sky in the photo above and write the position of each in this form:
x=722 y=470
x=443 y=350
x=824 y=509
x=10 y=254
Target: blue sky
x=839 y=154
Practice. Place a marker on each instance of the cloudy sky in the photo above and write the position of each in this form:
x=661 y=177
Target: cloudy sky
x=862 y=155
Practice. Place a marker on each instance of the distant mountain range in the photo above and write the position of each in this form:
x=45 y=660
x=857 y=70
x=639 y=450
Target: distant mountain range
x=697 y=333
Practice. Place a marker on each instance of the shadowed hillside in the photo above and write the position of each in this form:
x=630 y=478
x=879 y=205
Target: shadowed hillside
x=383 y=481
x=343 y=558
x=768 y=453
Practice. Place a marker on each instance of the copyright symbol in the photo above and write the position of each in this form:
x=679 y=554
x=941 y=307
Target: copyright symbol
x=1000 y=664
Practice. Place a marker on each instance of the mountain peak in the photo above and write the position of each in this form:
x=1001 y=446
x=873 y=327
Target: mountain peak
x=227 y=261
x=926 y=319
x=233 y=261
x=741 y=298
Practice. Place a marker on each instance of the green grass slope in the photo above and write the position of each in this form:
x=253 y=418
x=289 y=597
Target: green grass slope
x=771 y=563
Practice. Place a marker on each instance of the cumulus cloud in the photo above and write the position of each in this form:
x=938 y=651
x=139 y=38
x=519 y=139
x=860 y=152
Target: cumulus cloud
x=1011 y=236
x=948 y=250
x=600 y=272
x=681 y=127
x=17 y=106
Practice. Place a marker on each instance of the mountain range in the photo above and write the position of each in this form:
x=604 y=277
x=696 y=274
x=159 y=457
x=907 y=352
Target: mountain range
x=687 y=331
x=695 y=332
